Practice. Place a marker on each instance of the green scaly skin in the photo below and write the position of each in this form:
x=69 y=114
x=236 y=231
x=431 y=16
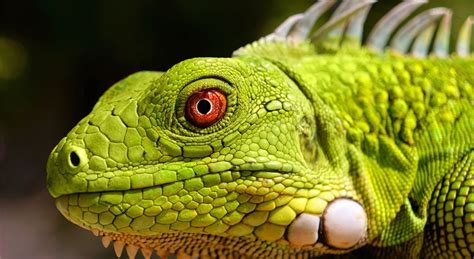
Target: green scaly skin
x=301 y=129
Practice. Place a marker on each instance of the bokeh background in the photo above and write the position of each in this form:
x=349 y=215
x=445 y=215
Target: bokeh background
x=57 y=57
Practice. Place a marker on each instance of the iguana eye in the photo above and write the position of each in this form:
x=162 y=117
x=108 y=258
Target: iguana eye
x=205 y=107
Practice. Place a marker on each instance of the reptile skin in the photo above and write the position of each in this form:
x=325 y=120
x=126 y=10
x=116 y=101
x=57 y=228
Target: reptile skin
x=307 y=123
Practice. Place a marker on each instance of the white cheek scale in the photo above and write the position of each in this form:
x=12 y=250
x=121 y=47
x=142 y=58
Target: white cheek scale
x=344 y=225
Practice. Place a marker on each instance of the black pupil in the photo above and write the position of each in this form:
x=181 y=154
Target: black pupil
x=74 y=159
x=204 y=106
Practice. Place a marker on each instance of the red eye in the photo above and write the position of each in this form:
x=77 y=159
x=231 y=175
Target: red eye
x=205 y=107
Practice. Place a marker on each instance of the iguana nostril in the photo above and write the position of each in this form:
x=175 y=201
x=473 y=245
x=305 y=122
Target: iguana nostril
x=74 y=159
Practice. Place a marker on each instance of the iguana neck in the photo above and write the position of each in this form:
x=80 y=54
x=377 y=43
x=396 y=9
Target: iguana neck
x=393 y=105
x=399 y=97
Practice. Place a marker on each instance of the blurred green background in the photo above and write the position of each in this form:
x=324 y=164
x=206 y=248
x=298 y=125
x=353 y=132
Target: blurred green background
x=57 y=57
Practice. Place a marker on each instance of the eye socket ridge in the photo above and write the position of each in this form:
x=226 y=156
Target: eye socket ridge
x=205 y=107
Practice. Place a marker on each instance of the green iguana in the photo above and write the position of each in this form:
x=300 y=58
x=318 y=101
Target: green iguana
x=299 y=145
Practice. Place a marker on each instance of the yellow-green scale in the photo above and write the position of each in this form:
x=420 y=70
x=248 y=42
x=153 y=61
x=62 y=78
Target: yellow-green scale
x=407 y=120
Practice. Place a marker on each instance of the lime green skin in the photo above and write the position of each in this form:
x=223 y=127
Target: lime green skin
x=301 y=129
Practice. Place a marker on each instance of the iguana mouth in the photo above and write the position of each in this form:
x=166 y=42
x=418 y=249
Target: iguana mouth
x=83 y=178
x=173 y=207
x=340 y=228
x=197 y=245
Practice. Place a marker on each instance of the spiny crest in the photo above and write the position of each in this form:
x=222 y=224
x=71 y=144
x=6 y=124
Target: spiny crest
x=429 y=30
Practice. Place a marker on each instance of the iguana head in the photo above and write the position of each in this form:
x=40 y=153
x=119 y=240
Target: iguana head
x=211 y=153
x=242 y=157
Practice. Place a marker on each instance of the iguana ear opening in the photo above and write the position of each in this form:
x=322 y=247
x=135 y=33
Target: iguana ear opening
x=382 y=175
x=383 y=179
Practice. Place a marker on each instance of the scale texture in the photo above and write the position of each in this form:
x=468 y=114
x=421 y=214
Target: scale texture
x=271 y=152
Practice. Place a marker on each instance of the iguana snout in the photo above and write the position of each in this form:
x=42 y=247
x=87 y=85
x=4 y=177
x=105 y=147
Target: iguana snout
x=64 y=164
